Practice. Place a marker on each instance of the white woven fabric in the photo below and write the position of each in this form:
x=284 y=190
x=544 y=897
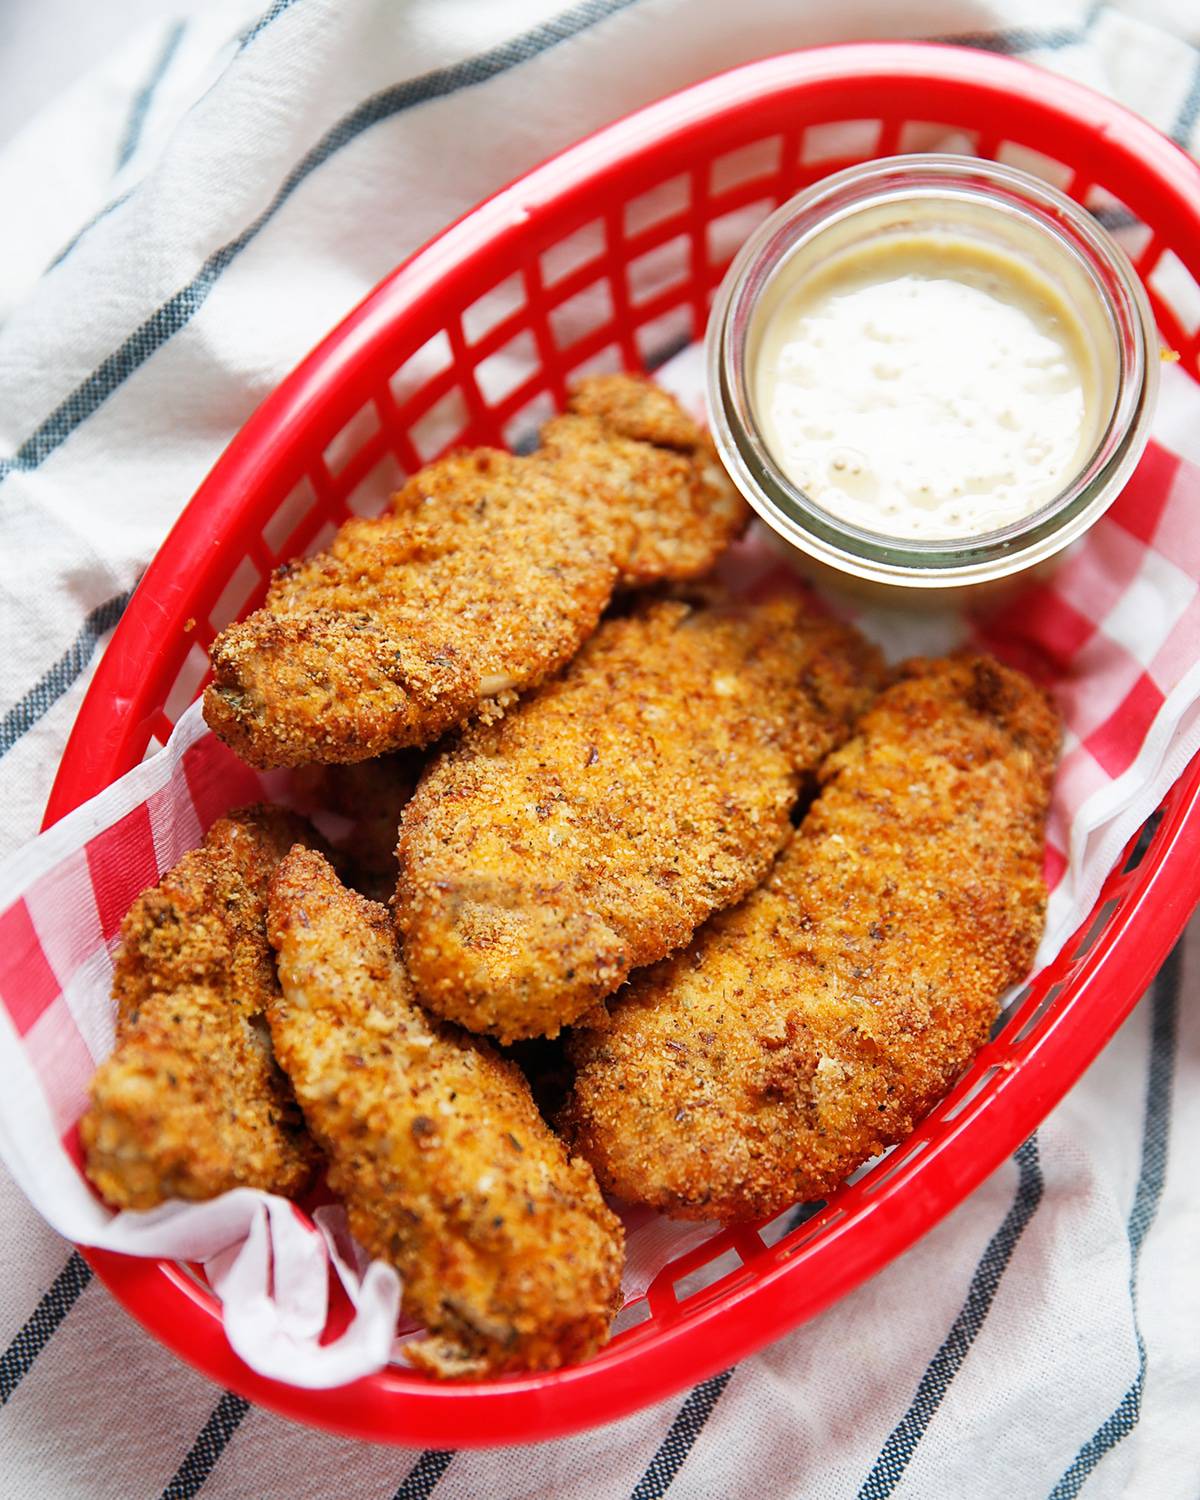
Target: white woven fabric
x=1042 y=1340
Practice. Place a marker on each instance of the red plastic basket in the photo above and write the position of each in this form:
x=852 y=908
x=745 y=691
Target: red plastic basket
x=608 y=256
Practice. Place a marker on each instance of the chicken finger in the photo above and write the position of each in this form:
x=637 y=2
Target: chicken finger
x=487 y=575
x=812 y=1026
x=191 y=1103
x=596 y=825
x=507 y=1251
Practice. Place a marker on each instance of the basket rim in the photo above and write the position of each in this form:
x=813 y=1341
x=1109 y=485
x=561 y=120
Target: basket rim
x=401 y=1407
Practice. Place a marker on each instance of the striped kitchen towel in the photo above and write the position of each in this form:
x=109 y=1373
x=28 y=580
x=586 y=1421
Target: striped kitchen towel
x=178 y=233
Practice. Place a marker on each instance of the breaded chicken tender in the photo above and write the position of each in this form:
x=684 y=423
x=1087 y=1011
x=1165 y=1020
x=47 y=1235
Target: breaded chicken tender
x=191 y=1103
x=813 y=1025
x=485 y=577
x=601 y=820
x=508 y=1253
x=669 y=507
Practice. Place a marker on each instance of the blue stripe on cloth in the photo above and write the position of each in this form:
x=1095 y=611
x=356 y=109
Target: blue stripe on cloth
x=211 y=1442
x=1151 y=1178
x=421 y=1480
x=56 y=680
x=272 y=14
x=1189 y=110
x=41 y=1325
x=178 y=311
x=682 y=1434
x=902 y=1443
x=102 y=213
x=268 y=17
x=145 y=95
x=1015 y=40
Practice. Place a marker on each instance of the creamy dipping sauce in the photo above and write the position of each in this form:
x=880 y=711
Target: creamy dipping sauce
x=925 y=387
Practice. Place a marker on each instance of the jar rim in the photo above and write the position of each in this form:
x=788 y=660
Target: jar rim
x=951 y=180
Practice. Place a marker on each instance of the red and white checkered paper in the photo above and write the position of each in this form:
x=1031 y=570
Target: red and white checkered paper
x=1115 y=633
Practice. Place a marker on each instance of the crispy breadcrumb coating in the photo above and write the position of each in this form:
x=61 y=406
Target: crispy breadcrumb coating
x=507 y=1251
x=601 y=820
x=191 y=1103
x=480 y=581
x=629 y=448
x=486 y=576
x=812 y=1026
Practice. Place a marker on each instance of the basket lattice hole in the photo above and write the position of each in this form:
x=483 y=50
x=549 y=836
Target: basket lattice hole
x=840 y=140
x=746 y=164
x=1176 y=286
x=666 y=201
x=493 y=307
x=606 y=361
x=321 y=540
x=864 y=1169
x=1119 y=219
x=236 y=594
x=521 y=429
x=1010 y=1003
x=727 y=233
x=1095 y=927
x=433 y=357
x=578 y=249
x=288 y=516
x=370 y=495
x=359 y=430
x=1141 y=845
x=660 y=339
x=1139 y=243
x=807 y=1232
x=1040 y=1011
x=969 y=1095
x=668 y=265
x=707 y=1275
x=748 y=1243
x=582 y=314
x=935 y=135
x=1048 y=168
x=511 y=366
x=445 y=421
x=791 y=1218
x=894 y=1162
x=1109 y=212
x=187 y=682
x=630 y=1316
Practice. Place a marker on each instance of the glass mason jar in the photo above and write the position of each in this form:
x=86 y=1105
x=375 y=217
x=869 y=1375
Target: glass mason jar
x=961 y=199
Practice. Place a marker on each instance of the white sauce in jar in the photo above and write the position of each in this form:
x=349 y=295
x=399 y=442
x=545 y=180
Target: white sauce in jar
x=926 y=387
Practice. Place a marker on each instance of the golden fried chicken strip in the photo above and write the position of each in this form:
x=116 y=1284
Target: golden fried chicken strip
x=627 y=444
x=480 y=581
x=813 y=1025
x=601 y=820
x=508 y=1253
x=191 y=1103
x=486 y=577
